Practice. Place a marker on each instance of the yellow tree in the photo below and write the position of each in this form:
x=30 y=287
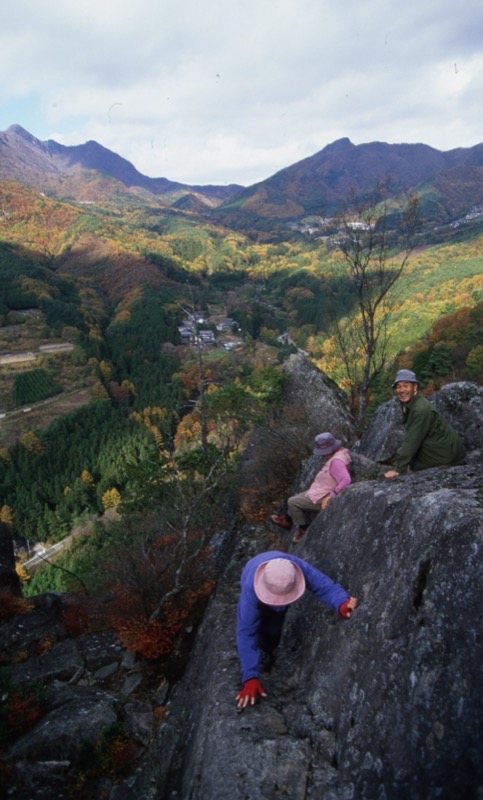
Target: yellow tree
x=6 y=516
x=99 y=392
x=5 y=455
x=106 y=370
x=111 y=499
x=87 y=479
x=32 y=443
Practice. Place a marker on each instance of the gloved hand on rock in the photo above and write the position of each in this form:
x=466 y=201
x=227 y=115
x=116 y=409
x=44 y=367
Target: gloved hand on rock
x=249 y=692
x=347 y=607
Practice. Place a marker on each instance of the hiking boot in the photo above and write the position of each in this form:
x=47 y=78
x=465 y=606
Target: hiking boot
x=299 y=534
x=281 y=519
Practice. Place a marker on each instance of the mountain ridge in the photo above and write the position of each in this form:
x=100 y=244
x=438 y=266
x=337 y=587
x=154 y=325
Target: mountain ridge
x=449 y=183
x=325 y=181
x=26 y=159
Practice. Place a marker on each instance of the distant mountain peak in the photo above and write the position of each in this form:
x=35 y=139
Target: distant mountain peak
x=17 y=130
x=344 y=142
x=59 y=168
x=450 y=183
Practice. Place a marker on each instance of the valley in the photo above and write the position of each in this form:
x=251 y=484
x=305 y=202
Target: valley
x=140 y=333
x=166 y=354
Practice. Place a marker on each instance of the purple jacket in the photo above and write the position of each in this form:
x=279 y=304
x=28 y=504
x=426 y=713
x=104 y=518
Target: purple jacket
x=249 y=606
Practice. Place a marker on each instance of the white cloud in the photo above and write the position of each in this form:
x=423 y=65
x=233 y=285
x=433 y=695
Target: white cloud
x=233 y=90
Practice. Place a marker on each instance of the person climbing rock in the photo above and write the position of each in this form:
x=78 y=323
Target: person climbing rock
x=270 y=583
x=328 y=483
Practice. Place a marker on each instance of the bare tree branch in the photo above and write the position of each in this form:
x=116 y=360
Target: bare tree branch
x=375 y=257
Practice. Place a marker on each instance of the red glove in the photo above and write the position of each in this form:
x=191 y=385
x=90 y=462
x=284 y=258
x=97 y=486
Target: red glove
x=249 y=692
x=346 y=608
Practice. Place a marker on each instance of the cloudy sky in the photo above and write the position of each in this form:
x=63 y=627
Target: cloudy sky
x=231 y=91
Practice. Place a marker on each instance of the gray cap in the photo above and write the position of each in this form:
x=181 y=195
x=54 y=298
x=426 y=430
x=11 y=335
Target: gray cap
x=325 y=443
x=405 y=375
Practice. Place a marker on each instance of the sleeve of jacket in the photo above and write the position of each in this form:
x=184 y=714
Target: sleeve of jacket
x=323 y=587
x=417 y=428
x=247 y=630
x=340 y=474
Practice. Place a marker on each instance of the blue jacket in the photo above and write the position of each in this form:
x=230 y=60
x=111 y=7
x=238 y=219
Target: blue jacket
x=249 y=606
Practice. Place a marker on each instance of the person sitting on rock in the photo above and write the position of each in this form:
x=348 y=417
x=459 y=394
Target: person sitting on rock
x=270 y=583
x=329 y=482
x=429 y=440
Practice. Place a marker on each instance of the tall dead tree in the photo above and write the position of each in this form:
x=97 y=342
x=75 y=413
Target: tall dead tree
x=374 y=254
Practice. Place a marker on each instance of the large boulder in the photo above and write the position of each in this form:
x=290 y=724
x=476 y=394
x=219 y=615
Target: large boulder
x=384 y=435
x=311 y=404
x=388 y=704
x=74 y=716
x=324 y=403
x=460 y=403
x=78 y=686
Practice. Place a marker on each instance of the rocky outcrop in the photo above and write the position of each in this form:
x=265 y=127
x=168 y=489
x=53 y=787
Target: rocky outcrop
x=387 y=704
x=460 y=403
x=384 y=705
x=324 y=404
x=385 y=434
x=311 y=404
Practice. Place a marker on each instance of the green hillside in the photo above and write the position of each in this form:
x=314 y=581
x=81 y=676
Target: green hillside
x=109 y=285
x=139 y=345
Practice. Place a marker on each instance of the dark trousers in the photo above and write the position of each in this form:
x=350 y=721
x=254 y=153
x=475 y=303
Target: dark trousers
x=271 y=628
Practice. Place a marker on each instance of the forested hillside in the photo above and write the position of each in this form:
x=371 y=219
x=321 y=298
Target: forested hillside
x=94 y=304
x=116 y=282
x=140 y=345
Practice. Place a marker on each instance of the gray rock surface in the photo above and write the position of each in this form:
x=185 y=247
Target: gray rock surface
x=384 y=706
x=460 y=403
x=83 y=680
x=388 y=704
x=74 y=716
x=384 y=435
x=326 y=406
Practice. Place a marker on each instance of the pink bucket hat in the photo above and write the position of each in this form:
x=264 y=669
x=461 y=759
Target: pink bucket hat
x=279 y=582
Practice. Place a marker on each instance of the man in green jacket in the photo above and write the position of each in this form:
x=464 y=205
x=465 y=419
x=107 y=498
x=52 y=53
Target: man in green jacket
x=430 y=441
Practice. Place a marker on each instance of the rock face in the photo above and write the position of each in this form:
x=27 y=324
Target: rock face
x=325 y=405
x=89 y=683
x=385 y=435
x=460 y=403
x=387 y=704
x=311 y=404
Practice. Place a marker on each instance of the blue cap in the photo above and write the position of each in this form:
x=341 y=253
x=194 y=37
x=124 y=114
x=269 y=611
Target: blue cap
x=405 y=375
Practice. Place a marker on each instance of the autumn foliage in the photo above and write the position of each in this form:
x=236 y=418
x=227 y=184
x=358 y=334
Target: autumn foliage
x=20 y=708
x=153 y=639
x=10 y=605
